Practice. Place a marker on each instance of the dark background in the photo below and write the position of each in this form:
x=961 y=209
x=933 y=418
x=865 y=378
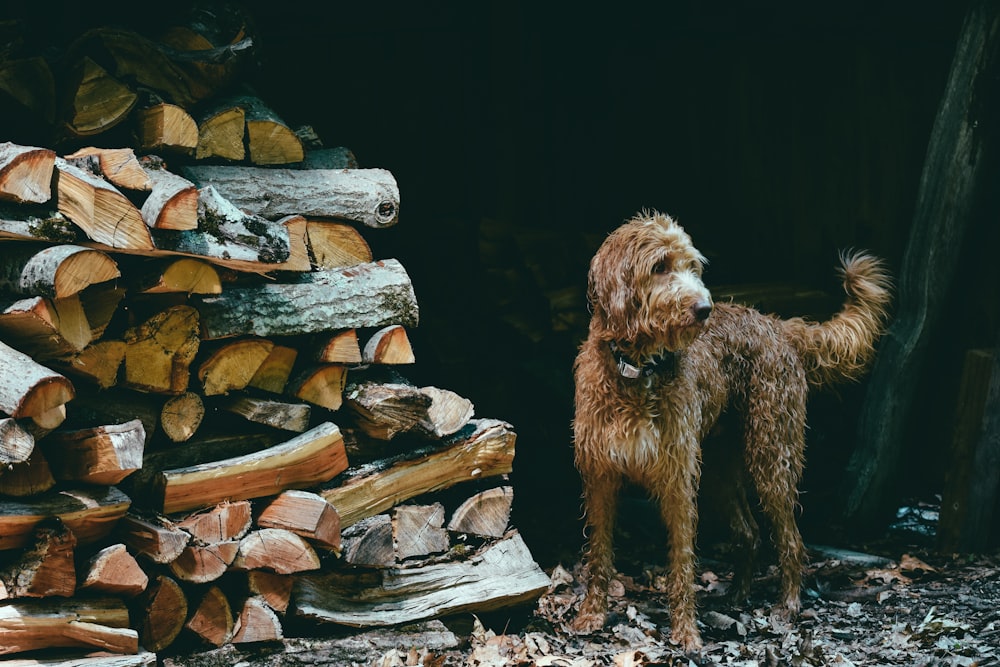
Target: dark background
x=521 y=133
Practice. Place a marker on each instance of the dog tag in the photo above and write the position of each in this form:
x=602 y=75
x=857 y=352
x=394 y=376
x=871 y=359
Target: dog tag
x=627 y=370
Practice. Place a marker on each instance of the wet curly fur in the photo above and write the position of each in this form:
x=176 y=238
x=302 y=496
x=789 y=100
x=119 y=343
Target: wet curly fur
x=653 y=318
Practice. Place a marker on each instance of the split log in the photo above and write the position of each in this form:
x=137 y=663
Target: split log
x=99 y=362
x=368 y=196
x=159 y=352
x=369 y=542
x=153 y=536
x=172 y=202
x=181 y=416
x=163 y=612
x=103 y=213
x=101 y=623
x=321 y=385
x=368 y=295
x=212 y=620
x=274 y=589
x=447 y=414
x=285 y=416
x=37 y=225
x=28 y=478
x=336 y=244
x=484 y=449
x=221 y=130
x=389 y=345
x=43 y=331
x=114 y=571
x=384 y=410
x=306 y=514
x=91 y=513
x=340 y=348
x=501 y=574
x=167 y=128
x=28 y=82
x=100 y=455
x=232 y=365
x=26 y=173
x=185 y=275
x=418 y=530
x=116 y=406
x=276 y=550
x=28 y=389
x=46 y=569
x=225 y=522
x=97 y=100
x=56 y=271
x=487 y=513
x=273 y=374
x=257 y=623
x=204 y=563
x=269 y=139
x=100 y=303
x=313 y=457
x=119 y=166
x=16 y=443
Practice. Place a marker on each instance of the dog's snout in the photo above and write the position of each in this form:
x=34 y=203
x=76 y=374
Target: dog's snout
x=702 y=310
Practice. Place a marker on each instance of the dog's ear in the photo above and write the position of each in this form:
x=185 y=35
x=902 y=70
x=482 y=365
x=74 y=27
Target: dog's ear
x=612 y=295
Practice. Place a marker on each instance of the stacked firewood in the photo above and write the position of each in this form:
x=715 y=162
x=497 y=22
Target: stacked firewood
x=206 y=428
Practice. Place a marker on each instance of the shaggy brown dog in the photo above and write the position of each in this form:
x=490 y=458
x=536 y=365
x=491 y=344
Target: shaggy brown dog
x=661 y=363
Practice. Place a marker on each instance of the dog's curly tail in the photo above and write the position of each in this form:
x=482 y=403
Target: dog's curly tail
x=841 y=348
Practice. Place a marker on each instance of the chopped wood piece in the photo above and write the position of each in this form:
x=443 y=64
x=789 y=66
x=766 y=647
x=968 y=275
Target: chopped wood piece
x=340 y=348
x=389 y=345
x=100 y=455
x=232 y=365
x=311 y=458
x=164 y=610
x=30 y=85
x=56 y=271
x=212 y=619
x=277 y=550
x=98 y=101
x=368 y=295
x=321 y=385
x=369 y=542
x=225 y=522
x=273 y=374
x=119 y=166
x=220 y=133
x=487 y=513
x=181 y=416
x=274 y=589
x=153 y=536
x=185 y=276
x=369 y=490
x=257 y=623
x=172 y=203
x=204 y=563
x=26 y=173
x=115 y=406
x=286 y=416
x=418 y=530
x=502 y=573
x=384 y=410
x=31 y=325
x=303 y=513
x=98 y=362
x=114 y=571
x=16 y=444
x=28 y=389
x=269 y=139
x=29 y=478
x=100 y=623
x=298 y=246
x=100 y=303
x=46 y=569
x=91 y=513
x=368 y=196
x=336 y=244
x=103 y=213
x=159 y=352
x=447 y=414
x=167 y=127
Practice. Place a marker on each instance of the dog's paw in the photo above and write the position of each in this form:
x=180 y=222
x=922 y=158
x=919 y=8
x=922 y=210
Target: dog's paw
x=687 y=638
x=587 y=623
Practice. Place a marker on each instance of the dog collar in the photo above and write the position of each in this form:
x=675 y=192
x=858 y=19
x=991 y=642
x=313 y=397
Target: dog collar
x=628 y=368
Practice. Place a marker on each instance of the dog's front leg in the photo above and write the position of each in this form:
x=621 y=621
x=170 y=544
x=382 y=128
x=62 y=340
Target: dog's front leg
x=680 y=514
x=600 y=503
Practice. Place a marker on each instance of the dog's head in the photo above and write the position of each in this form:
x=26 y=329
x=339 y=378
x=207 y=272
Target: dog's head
x=645 y=285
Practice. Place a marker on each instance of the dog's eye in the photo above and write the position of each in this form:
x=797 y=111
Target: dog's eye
x=662 y=266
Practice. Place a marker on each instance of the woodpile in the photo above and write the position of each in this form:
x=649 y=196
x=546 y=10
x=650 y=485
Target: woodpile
x=206 y=429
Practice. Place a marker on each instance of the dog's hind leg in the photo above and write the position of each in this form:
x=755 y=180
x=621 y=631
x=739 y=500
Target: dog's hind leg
x=600 y=498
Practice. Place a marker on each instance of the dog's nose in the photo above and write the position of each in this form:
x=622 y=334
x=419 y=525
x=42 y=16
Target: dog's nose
x=702 y=310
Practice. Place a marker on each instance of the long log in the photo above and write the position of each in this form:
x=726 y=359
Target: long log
x=368 y=196
x=367 y=295
x=91 y=513
x=100 y=623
